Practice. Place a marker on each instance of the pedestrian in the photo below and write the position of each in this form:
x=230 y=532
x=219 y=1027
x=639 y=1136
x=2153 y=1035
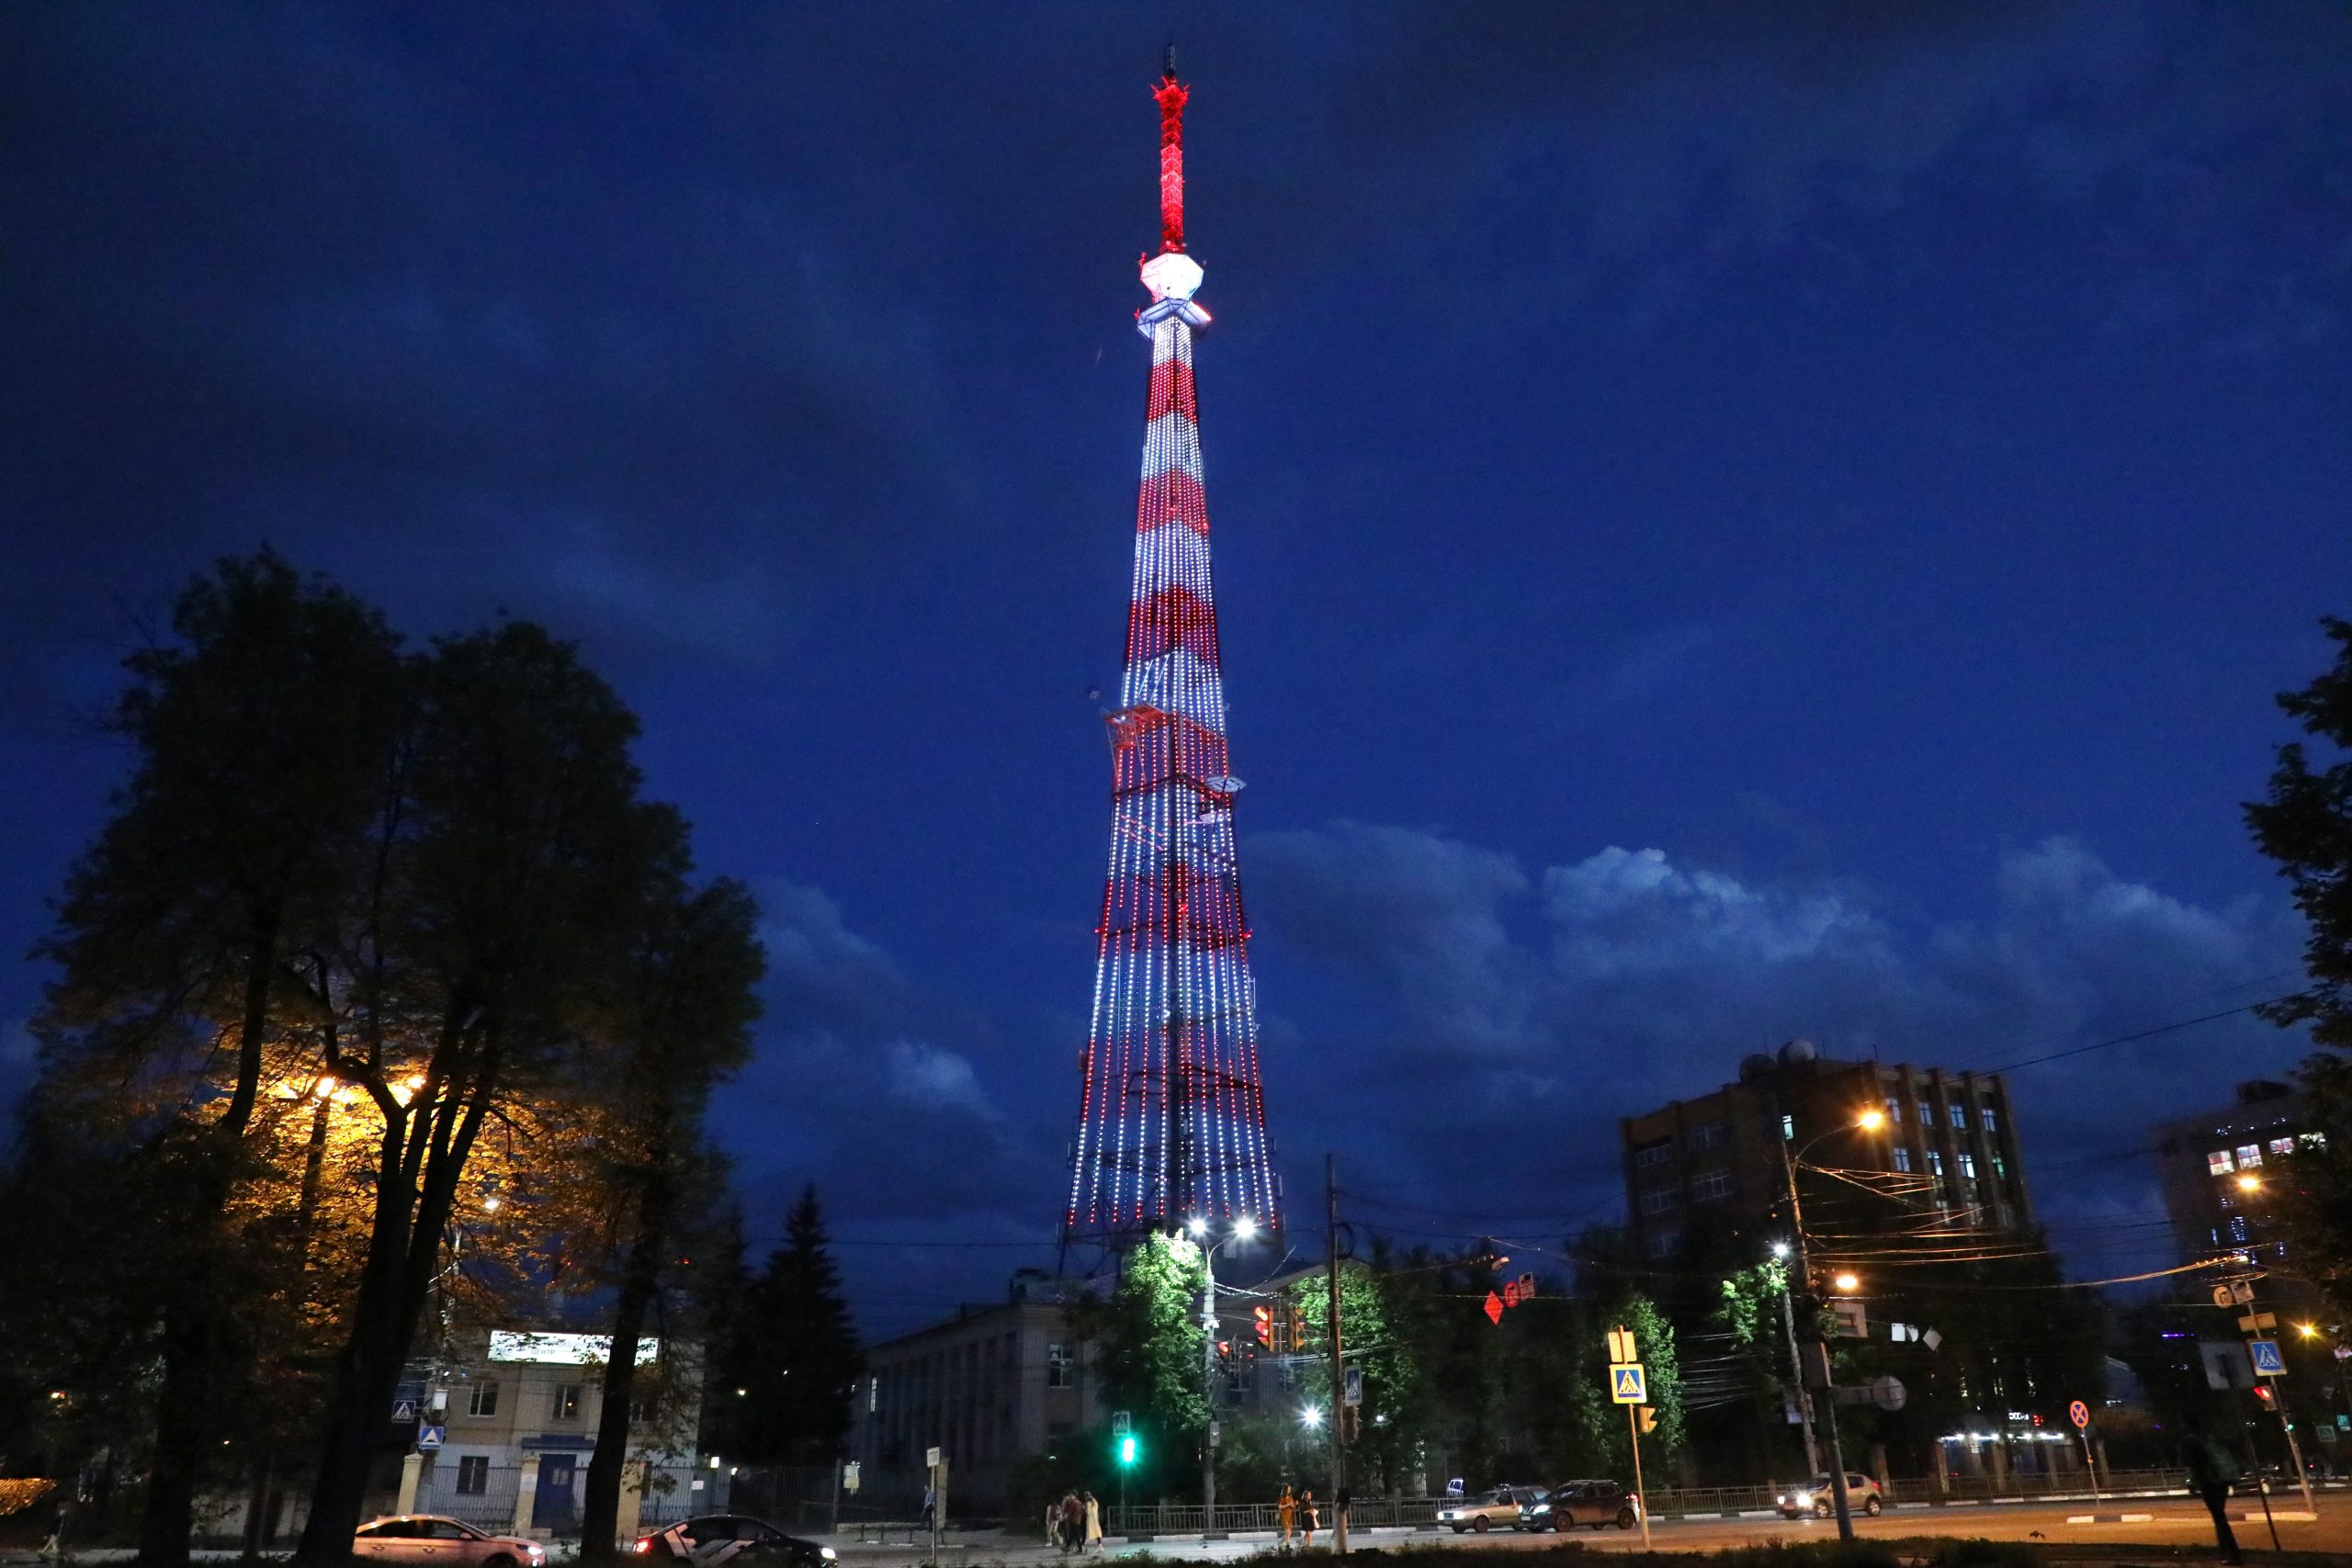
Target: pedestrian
x=1073 y=1522
x=1314 y=1521
x=2212 y=1468
x=930 y=1504
x=1052 y=1522
x=1287 y=1511
x=1093 y=1524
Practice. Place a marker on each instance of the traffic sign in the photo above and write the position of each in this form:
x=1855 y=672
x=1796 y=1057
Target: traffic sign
x=1494 y=1308
x=930 y=1458
x=1351 y=1386
x=2267 y=1362
x=1626 y=1384
x=428 y=1439
x=404 y=1413
x=849 y=1476
x=1121 y=1421
x=1621 y=1347
x=2079 y=1413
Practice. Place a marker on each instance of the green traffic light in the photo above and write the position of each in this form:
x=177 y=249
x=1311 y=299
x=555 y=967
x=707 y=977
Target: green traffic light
x=1127 y=1451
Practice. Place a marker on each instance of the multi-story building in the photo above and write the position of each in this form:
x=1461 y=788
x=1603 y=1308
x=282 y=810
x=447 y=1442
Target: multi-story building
x=1717 y=1159
x=2216 y=1170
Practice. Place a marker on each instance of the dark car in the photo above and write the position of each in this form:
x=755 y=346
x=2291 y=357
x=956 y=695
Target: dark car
x=1572 y=1502
x=731 y=1538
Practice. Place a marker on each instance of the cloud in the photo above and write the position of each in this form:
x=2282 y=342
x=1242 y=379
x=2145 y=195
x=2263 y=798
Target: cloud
x=1547 y=1007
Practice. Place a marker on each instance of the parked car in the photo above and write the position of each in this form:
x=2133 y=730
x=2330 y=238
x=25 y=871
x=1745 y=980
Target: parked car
x=1572 y=1502
x=1815 y=1497
x=1500 y=1506
x=437 y=1539
x=730 y=1538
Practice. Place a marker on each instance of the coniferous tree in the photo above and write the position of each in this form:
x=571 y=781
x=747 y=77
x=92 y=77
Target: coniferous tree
x=796 y=1353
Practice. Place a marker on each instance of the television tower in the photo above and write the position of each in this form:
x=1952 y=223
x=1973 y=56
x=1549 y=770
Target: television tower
x=1172 y=1123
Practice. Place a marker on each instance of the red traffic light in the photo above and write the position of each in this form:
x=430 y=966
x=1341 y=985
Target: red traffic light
x=1263 y=1323
x=2268 y=1395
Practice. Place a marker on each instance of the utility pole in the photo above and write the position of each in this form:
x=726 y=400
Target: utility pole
x=1796 y=1375
x=1821 y=1348
x=1211 y=1382
x=2277 y=1396
x=1338 y=1440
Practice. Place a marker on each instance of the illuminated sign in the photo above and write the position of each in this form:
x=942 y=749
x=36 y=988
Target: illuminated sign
x=564 y=1349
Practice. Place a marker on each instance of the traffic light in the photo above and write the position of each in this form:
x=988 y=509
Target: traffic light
x=1127 y=1451
x=2266 y=1396
x=1225 y=1352
x=1648 y=1414
x=1297 y=1327
x=1261 y=1322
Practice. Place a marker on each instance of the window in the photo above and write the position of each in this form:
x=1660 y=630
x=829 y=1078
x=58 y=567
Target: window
x=1709 y=1136
x=2312 y=1140
x=2249 y=1155
x=2000 y=1168
x=1934 y=1165
x=482 y=1399
x=1959 y=1117
x=1992 y=1123
x=1710 y=1184
x=565 y=1406
x=1654 y=1153
x=1788 y=1129
x=1893 y=1112
x=2282 y=1146
x=1058 y=1366
x=1968 y=1167
x=1927 y=1114
x=1659 y=1199
x=1665 y=1243
x=473 y=1475
x=1902 y=1158
x=2237 y=1227
x=445 y=1530
x=2218 y=1163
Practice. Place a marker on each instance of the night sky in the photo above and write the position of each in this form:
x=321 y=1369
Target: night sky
x=1732 y=522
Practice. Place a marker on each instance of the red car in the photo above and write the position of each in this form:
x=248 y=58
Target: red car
x=436 y=1539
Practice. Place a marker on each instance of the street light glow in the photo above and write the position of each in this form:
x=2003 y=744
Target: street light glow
x=1245 y=1228
x=1198 y=1225
x=1312 y=1415
x=2308 y=1330
x=1779 y=1249
x=2249 y=1184
x=1870 y=1121
x=1848 y=1282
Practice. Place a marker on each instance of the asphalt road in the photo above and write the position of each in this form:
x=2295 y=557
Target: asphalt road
x=2138 y=1521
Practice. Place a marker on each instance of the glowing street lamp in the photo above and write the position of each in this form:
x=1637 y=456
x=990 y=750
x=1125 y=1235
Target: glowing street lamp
x=2249 y=1184
x=1312 y=1415
x=1848 y=1282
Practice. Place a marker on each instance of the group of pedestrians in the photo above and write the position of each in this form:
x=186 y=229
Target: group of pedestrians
x=1298 y=1511
x=1074 y=1524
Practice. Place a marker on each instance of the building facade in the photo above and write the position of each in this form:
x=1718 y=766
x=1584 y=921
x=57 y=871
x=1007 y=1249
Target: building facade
x=1716 y=1160
x=2217 y=1171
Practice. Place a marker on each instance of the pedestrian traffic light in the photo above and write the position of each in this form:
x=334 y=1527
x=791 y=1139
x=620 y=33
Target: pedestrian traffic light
x=2266 y=1397
x=1261 y=1322
x=1648 y=1414
x=1127 y=1451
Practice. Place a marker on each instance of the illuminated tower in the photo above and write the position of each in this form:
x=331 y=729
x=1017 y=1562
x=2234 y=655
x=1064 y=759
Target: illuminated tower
x=1171 y=1115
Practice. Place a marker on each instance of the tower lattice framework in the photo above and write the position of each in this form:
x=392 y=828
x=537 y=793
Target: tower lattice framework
x=1173 y=1112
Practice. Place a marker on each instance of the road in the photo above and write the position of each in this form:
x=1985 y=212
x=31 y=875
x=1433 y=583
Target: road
x=2176 y=1521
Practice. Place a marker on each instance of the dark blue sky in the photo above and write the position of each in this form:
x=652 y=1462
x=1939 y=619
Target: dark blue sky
x=1732 y=522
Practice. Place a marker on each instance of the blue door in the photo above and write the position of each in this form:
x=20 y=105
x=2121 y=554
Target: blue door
x=551 y=1506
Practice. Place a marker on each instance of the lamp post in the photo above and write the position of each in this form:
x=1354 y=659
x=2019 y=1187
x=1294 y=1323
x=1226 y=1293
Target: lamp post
x=1796 y=1361
x=1867 y=1120
x=1244 y=1230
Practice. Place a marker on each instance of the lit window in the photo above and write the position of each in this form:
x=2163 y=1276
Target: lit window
x=1927 y=1114
x=1992 y=1123
x=2282 y=1146
x=2249 y=1155
x=2237 y=1227
x=1968 y=1167
x=2218 y=1163
x=1893 y=1111
x=2312 y=1140
x=567 y=1403
x=482 y=1399
x=2000 y=1168
x=1960 y=1116
x=1934 y=1165
x=1788 y=1128
x=1902 y=1158
x=1056 y=1366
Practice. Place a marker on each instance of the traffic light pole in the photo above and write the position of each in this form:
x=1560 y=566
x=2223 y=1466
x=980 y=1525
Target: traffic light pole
x=1211 y=1390
x=1813 y=1338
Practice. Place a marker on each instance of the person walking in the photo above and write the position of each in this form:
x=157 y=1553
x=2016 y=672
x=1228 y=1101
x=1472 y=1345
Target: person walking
x=1286 y=1510
x=1313 y=1520
x=1052 y=1522
x=1073 y=1522
x=1093 y=1525
x=2212 y=1468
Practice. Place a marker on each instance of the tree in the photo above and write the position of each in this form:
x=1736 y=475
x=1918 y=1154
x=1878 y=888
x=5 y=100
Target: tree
x=1148 y=1345
x=1396 y=1417
x=2306 y=827
x=793 y=1355
x=512 y=859
x=259 y=731
x=684 y=1026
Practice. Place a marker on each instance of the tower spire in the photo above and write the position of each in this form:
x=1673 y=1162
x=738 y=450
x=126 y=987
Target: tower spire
x=1171 y=1110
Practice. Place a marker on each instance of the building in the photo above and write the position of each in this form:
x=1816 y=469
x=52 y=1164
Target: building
x=2216 y=1169
x=1715 y=1162
x=989 y=1387
x=517 y=1412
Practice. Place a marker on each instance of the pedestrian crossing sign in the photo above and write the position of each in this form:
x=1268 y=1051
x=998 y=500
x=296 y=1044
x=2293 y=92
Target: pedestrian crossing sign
x=1625 y=1384
x=2267 y=1362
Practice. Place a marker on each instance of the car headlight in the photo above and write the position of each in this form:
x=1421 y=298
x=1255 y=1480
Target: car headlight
x=827 y=1552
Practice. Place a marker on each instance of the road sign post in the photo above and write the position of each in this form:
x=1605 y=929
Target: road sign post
x=1629 y=1386
x=2080 y=1415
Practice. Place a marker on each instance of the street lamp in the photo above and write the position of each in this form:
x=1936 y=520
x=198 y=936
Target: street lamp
x=1867 y=1120
x=1312 y=1415
x=1848 y=1282
x=1244 y=1230
x=2249 y=1183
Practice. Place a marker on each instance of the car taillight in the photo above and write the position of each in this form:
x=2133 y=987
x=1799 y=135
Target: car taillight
x=643 y=1546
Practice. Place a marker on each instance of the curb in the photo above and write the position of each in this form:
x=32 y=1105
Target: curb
x=2111 y=1519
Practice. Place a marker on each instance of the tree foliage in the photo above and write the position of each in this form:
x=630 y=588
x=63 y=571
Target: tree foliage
x=782 y=1391
x=2305 y=825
